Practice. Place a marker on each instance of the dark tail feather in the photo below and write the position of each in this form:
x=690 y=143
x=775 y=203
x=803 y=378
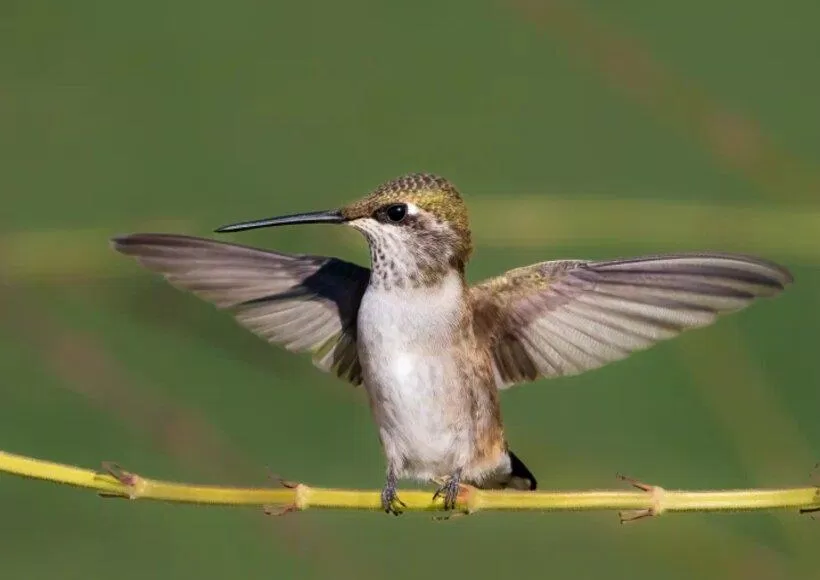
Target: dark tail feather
x=521 y=477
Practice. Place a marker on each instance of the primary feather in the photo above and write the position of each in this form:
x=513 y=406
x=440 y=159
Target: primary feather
x=304 y=303
x=569 y=316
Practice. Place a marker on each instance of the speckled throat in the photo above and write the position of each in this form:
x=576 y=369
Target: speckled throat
x=411 y=257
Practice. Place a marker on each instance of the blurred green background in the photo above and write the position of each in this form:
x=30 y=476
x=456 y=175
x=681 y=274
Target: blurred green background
x=575 y=129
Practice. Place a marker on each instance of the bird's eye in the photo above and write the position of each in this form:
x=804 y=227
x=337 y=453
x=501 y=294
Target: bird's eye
x=395 y=213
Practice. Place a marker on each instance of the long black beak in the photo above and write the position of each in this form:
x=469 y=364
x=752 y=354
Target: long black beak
x=312 y=217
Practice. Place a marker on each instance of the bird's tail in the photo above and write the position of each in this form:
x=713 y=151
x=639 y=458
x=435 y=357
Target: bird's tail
x=520 y=477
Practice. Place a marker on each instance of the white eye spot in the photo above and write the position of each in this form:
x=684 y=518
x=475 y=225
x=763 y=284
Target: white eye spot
x=412 y=209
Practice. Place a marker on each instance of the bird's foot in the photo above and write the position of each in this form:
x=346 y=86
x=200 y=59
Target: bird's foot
x=449 y=491
x=390 y=499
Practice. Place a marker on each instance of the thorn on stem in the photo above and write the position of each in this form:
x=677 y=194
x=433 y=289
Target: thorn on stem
x=280 y=480
x=635 y=483
x=132 y=481
x=628 y=516
x=656 y=493
x=270 y=510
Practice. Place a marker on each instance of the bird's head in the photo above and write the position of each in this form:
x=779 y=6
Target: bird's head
x=417 y=223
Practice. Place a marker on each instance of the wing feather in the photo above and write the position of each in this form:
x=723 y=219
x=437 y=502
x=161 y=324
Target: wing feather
x=304 y=303
x=566 y=317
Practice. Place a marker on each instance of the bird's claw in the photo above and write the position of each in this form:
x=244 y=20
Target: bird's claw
x=391 y=502
x=449 y=491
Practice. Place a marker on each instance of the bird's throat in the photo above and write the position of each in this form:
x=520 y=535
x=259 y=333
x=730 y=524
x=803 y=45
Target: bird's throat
x=401 y=270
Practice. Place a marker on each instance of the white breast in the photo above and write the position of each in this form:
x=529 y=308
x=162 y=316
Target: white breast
x=406 y=337
x=418 y=318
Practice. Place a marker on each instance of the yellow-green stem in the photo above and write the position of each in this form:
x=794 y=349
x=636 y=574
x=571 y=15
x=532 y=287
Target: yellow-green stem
x=652 y=501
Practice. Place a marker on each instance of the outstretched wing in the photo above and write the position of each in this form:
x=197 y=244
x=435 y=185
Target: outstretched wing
x=565 y=317
x=304 y=303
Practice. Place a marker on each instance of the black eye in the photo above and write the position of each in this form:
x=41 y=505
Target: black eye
x=396 y=213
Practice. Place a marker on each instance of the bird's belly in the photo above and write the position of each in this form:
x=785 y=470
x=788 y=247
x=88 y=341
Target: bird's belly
x=413 y=374
x=424 y=424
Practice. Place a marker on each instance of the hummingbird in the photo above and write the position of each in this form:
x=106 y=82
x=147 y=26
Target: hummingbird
x=432 y=351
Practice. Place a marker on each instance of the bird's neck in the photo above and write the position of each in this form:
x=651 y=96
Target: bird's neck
x=407 y=270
